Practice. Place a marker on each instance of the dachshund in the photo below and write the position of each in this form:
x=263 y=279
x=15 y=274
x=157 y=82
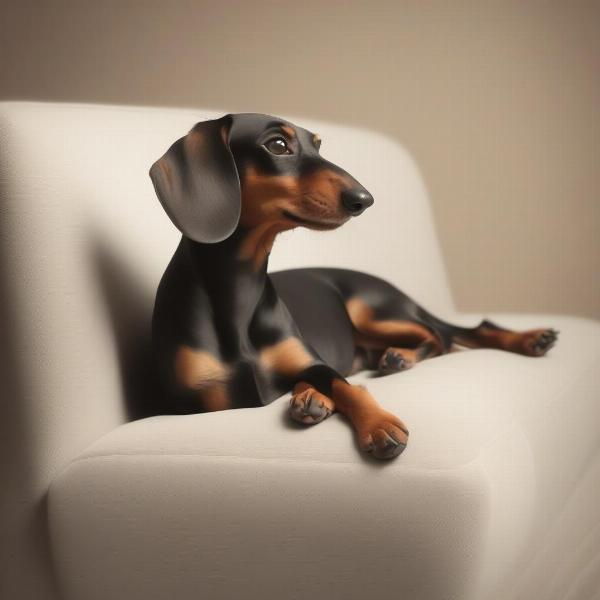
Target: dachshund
x=227 y=334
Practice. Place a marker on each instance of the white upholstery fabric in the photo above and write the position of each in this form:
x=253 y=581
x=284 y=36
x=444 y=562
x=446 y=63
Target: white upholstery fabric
x=498 y=485
x=240 y=503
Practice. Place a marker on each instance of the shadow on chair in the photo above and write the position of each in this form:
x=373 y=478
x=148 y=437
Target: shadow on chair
x=129 y=301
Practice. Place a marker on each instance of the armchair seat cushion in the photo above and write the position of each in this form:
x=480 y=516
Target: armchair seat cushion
x=244 y=504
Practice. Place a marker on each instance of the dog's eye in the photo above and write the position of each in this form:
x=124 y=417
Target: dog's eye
x=277 y=145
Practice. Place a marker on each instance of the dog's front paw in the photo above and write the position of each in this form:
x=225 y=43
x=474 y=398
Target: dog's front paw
x=538 y=341
x=384 y=436
x=310 y=407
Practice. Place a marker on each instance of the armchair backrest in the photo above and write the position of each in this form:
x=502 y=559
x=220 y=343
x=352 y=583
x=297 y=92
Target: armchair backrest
x=84 y=242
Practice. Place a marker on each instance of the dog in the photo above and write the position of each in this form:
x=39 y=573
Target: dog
x=227 y=334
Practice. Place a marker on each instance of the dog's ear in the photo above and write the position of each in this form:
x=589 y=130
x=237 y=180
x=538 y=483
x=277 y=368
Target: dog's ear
x=197 y=182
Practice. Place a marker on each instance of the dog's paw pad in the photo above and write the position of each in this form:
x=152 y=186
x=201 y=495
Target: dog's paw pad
x=309 y=407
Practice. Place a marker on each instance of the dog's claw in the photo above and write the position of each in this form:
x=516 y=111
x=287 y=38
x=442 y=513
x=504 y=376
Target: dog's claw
x=388 y=447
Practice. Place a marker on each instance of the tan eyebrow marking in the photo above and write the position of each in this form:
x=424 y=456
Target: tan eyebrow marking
x=317 y=140
x=288 y=130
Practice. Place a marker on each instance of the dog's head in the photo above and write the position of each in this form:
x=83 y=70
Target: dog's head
x=252 y=170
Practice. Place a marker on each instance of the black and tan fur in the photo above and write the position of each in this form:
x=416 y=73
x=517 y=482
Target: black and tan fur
x=227 y=334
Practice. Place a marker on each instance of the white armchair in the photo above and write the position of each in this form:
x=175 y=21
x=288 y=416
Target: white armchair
x=496 y=496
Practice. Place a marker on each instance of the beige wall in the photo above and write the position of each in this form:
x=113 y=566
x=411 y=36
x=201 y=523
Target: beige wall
x=499 y=102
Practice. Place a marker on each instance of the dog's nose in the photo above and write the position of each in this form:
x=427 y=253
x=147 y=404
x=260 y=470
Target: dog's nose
x=356 y=200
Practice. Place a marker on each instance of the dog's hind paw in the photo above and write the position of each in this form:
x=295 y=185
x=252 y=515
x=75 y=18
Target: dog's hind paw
x=394 y=360
x=538 y=341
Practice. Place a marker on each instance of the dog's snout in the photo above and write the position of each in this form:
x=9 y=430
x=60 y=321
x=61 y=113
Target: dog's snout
x=355 y=200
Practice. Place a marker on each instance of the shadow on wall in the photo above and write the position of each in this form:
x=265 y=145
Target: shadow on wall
x=128 y=302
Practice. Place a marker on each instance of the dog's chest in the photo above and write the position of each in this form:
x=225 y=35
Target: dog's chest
x=252 y=384
x=251 y=379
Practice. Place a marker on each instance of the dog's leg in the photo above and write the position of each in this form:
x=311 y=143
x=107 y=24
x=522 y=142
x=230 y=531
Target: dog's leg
x=287 y=358
x=201 y=380
x=396 y=359
x=395 y=345
x=319 y=390
x=378 y=431
x=534 y=342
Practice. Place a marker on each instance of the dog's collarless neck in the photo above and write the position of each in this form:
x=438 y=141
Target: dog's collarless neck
x=234 y=288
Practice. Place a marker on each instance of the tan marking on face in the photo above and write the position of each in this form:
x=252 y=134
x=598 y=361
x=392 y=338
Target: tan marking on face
x=316 y=140
x=289 y=131
x=287 y=357
x=265 y=196
x=197 y=369
x=257 y=244
x=321 y=193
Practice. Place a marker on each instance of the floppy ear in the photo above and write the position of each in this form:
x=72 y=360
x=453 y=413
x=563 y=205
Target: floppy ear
x=197 y=182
